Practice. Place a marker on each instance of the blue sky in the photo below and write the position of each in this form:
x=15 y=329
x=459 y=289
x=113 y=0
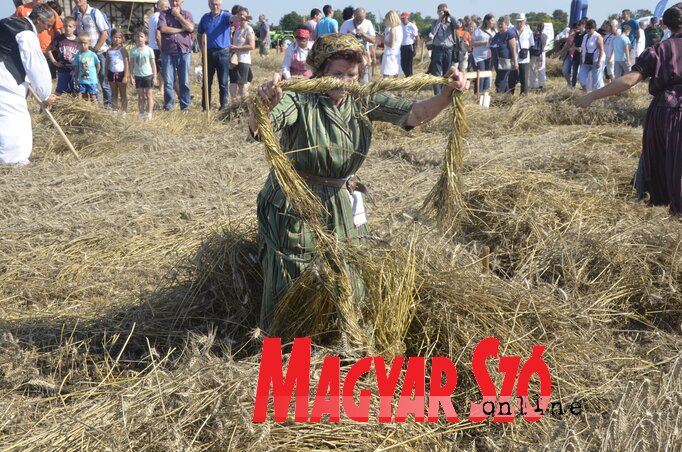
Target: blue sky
x=274 y=10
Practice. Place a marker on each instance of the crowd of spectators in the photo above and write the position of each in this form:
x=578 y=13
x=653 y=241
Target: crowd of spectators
x=596 y=56
x=514 y=50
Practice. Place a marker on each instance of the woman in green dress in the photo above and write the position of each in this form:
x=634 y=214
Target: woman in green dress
x=330 y=134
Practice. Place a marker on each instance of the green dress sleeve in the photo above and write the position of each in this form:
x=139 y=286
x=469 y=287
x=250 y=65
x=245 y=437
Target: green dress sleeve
x=389 y=108
x=285 y=112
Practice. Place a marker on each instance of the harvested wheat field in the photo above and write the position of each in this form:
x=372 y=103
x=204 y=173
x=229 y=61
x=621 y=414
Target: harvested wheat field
x=130 y=283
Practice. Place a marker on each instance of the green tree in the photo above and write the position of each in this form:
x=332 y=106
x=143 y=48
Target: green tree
x=423 y=23
x=559 y=19
x=642 y=13
x=290 y=21
x=338 y=15
x=614 y=16
x=538 y=17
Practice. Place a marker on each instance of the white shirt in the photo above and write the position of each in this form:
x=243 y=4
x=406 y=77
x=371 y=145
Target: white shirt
x=365 y=26
x=481 y=53
x=312 y=25
x=525 y=41
x=564 y=34
x=301 y=55
x=35 y=64
x=85 y=24
x=641 y=42
x=153 y=25
x=347 y=27
x=590 y=46
x=608 y=47
x=409 y=32
x=241 y=37
x=16 y=137
x=394 y=48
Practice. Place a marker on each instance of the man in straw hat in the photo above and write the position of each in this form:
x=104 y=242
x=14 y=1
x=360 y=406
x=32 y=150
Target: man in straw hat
x=525 y=41
x=331 y=133
x=22 y=62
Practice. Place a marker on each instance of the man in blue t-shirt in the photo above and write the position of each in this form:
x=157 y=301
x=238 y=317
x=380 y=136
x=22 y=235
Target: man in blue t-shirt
x=216 y=26
x=328 y=24
x=626 y=18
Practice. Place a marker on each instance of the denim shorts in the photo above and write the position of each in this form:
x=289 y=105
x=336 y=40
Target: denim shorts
x=84 y=88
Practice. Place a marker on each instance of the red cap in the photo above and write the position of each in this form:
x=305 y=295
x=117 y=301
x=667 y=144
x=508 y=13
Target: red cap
x=405 y=15
x=302 y=33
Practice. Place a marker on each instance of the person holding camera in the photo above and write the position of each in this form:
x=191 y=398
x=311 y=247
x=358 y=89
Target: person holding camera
x=444 y=44
x=363 y=30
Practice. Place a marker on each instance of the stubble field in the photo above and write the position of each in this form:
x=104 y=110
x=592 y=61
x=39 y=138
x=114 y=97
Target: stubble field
x=130 y=286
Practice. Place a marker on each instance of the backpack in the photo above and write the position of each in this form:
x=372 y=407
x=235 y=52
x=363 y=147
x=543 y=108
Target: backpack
x=536 y=49
x=93 y=14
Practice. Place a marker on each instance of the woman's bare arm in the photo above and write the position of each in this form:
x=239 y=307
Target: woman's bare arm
x=618 y=86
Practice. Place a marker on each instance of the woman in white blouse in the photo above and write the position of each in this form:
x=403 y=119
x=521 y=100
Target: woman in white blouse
x=611 y=28
x=293 y=64
x=393 y=37
x=480 y=41
x=243 y=42
x=592 y=67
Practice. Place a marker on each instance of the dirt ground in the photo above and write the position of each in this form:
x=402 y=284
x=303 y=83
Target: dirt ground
x=124 y=322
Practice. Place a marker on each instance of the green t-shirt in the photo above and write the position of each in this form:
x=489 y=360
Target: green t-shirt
x=142 y=60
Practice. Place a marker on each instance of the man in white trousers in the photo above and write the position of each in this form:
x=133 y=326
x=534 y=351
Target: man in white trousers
x=22 y=62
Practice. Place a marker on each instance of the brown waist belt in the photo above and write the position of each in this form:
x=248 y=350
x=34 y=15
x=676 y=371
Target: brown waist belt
x=350 y=183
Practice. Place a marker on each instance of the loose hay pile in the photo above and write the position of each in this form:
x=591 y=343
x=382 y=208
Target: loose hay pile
x=129 y=291
x=96 y=131
x=92 y=131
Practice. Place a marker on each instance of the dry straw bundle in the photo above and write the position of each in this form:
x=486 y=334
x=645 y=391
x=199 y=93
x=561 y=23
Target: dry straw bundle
x=92 y=131
x=445 y=199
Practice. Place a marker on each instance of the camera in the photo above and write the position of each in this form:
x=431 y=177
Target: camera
x=446 y=14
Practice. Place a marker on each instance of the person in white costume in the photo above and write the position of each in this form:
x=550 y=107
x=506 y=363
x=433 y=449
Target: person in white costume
x=22 y=62
x=393 y=37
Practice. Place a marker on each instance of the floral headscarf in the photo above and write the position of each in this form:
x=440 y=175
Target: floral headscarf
x=329 y=44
